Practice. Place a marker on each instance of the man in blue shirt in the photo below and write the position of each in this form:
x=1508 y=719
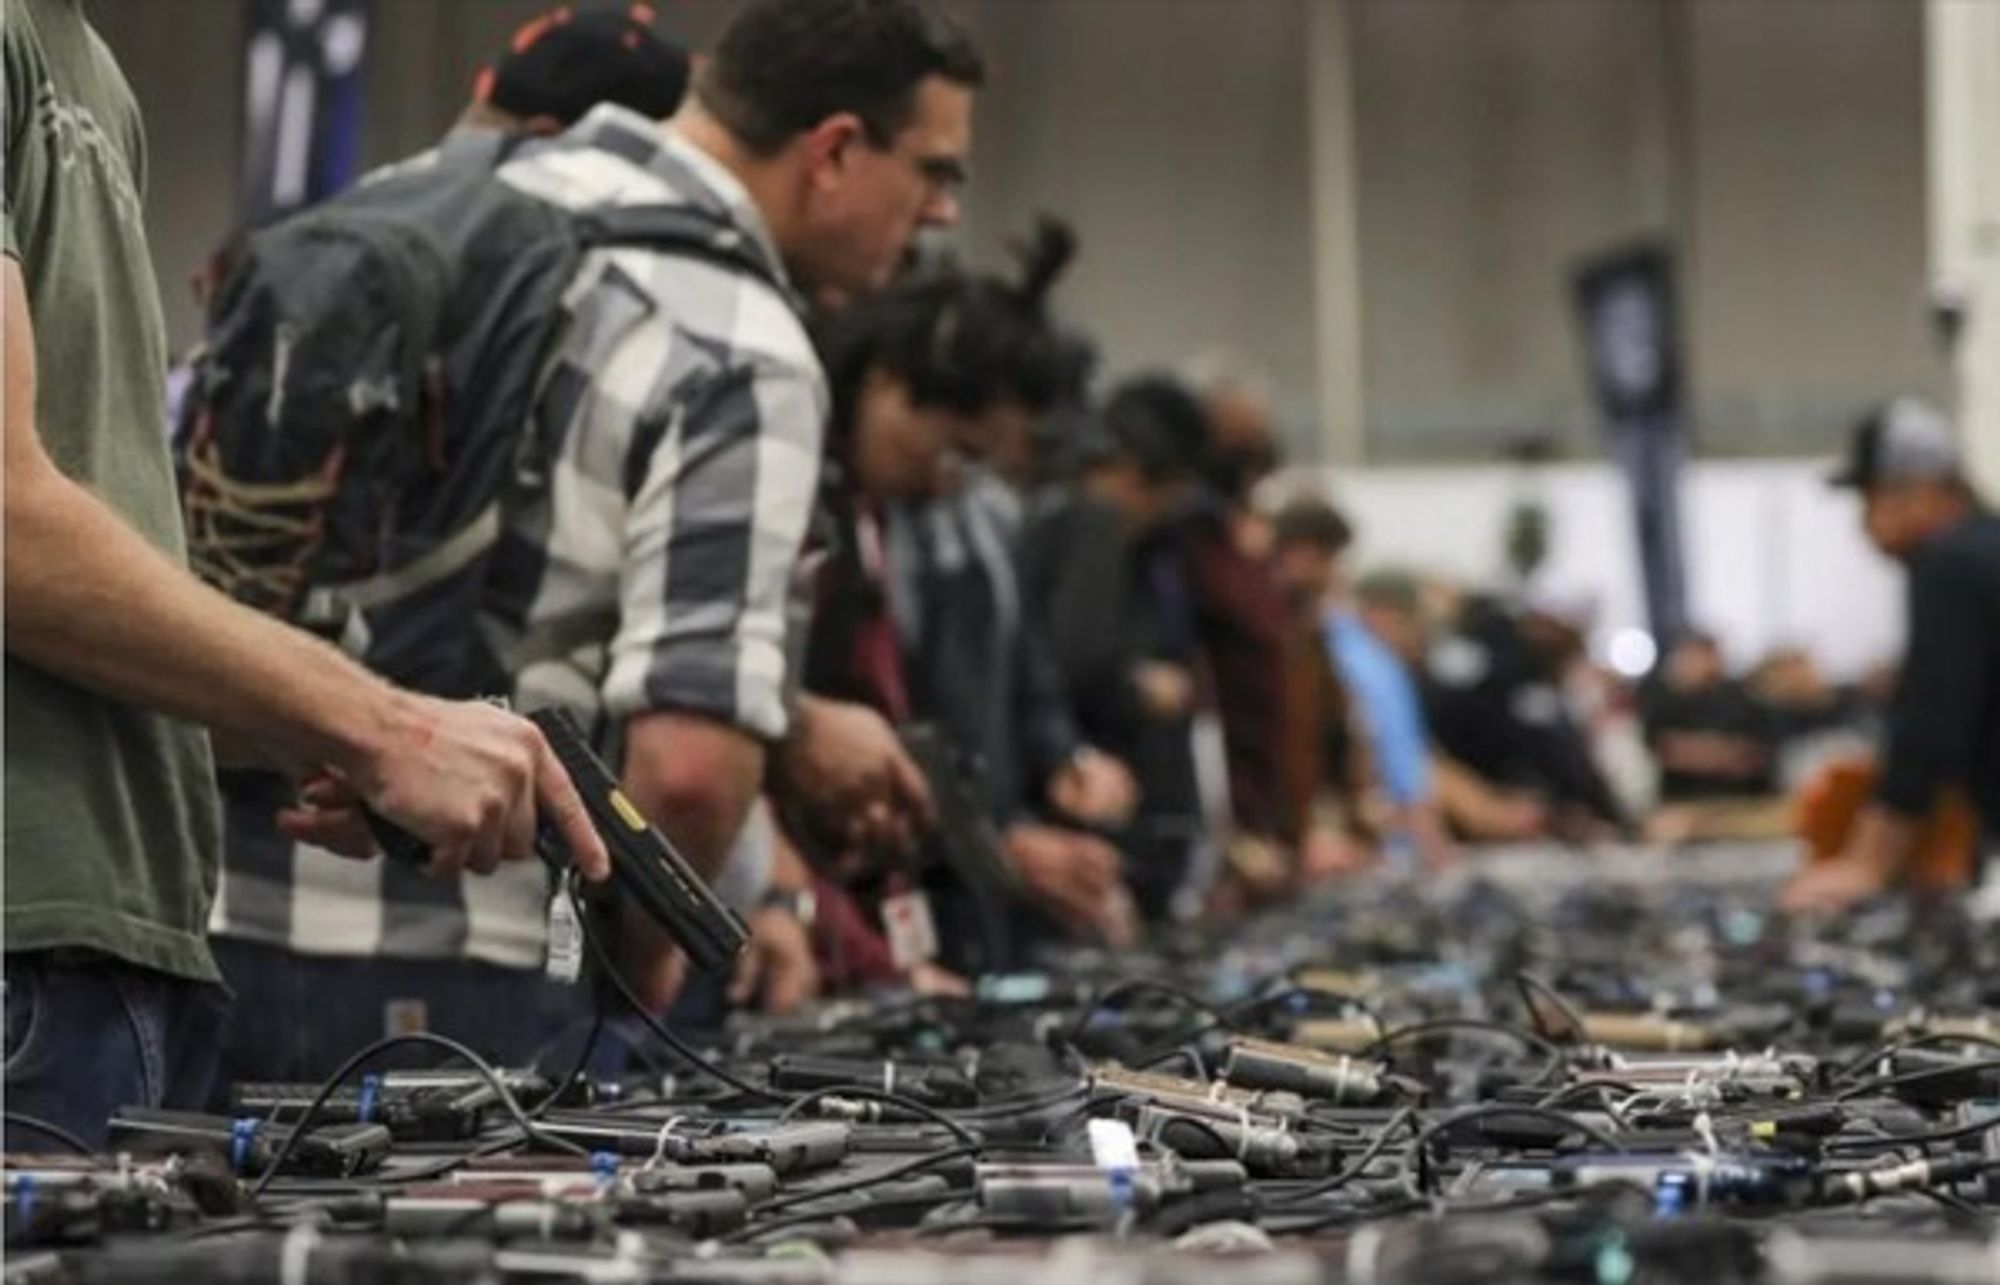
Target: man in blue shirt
x=1311 y=539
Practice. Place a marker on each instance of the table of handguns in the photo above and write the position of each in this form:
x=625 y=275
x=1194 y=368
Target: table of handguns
x=1542 y=1066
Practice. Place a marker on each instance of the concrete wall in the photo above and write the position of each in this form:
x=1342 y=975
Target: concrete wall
x=1808 y=212
x=184 y=59
x=1173 y=135
x=1780 y=143
x=1495 y=142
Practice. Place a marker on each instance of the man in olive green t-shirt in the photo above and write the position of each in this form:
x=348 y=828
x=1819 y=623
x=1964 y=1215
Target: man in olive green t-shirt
x=116 y=657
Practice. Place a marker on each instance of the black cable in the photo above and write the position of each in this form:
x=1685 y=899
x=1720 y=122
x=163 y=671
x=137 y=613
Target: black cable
x=891 y=1174
x=1486 y=1111
x=799 y=1104
x=361 y=1058
x=1233 y=1017
x=1004 y=1110
x=1561 y=1096
x=1891 y=1141
x=1380 y=1143
x=1916 y=1077
x=791 y=1102
x=447 y=1164
x=576 y=1072
x=1083 y=1112
x=1894 y=1047
x=1187 y=1053
x=16 y=1120
x=659 y=1029
x=1142 y=986
x=1964 y=1209
x=1527 y=982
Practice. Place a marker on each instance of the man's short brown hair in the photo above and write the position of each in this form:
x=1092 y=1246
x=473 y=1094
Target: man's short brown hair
x=783 y=66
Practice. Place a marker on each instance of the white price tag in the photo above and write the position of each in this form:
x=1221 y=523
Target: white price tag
x=564 y=962
x=1112 y=1146
x=913 y=937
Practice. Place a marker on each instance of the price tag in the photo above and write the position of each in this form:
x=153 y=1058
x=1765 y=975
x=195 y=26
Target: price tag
x=1113 y=1146
x=405 y=1017
x=564 y=962
x=912 y=930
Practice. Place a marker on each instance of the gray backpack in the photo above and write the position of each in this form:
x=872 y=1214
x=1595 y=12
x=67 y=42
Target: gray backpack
x=359 y=406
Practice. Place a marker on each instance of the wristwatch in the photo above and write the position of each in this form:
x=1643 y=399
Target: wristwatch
x=799 y=903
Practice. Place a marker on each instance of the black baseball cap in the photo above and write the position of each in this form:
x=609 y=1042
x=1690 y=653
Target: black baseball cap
x=570 y=59
x=1904 y=440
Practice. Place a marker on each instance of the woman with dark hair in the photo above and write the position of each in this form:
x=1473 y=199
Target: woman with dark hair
x=940 y=387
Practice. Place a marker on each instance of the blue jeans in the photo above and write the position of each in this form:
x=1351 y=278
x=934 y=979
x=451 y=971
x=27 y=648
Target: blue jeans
x=298 y=1017
x=87 y=1034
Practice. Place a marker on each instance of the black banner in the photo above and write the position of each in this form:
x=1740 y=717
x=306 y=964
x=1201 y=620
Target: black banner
x=1627 y=307
x=302 y=89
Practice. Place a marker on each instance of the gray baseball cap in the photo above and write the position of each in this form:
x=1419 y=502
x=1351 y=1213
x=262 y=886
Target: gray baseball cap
x=1904 y=440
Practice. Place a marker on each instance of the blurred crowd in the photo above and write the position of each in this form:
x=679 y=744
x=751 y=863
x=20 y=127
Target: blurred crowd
x=647 y=397
x=1287 y=717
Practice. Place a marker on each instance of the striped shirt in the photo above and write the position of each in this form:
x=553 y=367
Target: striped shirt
x=650 y=557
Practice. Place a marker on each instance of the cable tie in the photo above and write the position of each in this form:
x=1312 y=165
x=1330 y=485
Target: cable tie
x=24 y=1200
x=659 y=1155
x=242 y=1133
x=295 y=1254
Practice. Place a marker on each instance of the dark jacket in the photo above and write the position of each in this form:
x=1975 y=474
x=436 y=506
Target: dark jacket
x=1944 y=724
x=1109 y=603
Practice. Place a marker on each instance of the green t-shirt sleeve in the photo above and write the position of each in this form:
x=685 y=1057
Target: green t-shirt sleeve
x=13 y=123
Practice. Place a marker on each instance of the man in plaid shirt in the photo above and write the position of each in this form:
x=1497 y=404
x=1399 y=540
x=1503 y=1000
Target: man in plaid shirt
x=652 y=541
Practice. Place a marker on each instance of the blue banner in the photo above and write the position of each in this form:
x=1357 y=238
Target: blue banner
x=302 y=102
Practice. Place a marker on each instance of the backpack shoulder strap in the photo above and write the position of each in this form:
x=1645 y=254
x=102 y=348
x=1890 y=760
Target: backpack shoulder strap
x=482 y=148
x=678 y=229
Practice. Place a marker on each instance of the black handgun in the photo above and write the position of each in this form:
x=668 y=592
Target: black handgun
x=965 y=839
x=756 y=1182
x=787 y=1149
x=55 y=1208
x=643 y=863
x=411 y=1113
x=936 y=1086
x=249 y=1144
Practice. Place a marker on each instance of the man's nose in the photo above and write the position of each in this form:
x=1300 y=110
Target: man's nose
x=941 y=210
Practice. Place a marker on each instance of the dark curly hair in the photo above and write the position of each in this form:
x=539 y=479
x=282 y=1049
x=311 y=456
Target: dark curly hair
x=962 y=341
x=783 y=66
x=1157 y=423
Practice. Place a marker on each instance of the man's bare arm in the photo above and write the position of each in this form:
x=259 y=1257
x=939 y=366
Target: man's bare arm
x=694 y=777
x=90 y=600
x=1878 y=854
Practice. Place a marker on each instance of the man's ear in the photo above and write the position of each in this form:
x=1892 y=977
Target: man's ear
x=829 y=145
